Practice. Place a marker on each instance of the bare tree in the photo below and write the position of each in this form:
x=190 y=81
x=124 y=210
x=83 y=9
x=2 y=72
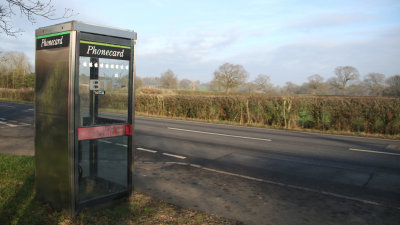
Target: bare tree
x=153 y=82
x=393 y=86
x=375 y=82
x=357 y=89
x=185 y=84
x=229 y=76
x=195 y=85
x=247 y=87
x=30 y=9
x=169 y=80
x=14 y=66
x=315 y=83
x=291 y=88
x=344 y=74
x=215 y=86
x=262 y=82
x=138 y=82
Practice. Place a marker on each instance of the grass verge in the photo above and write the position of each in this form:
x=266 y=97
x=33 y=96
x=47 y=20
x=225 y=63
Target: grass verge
x=16 y=100
x=18 y=204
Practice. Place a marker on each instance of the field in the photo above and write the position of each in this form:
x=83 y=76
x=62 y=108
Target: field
x=376 y=116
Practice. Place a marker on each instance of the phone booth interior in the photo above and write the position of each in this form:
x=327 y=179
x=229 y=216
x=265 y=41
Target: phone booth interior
x=84 y=114
x=102 y=140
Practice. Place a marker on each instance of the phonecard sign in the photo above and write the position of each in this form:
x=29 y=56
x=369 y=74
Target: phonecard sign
x=104 y=50
x=50 y=41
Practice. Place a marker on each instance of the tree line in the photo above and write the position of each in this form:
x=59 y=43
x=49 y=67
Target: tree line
x=234 y=78
x=16 y=72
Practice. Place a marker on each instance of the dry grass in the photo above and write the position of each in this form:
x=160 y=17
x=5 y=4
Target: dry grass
x=21 y=95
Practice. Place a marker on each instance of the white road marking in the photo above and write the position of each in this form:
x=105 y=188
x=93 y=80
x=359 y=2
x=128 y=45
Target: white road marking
x=175 y=156
x=280 y=184
x=218 y=134
x=146 y=150
x=120 y=144
x=370 y=151
x=109 y=142
x=8 y=124
x=20 y=124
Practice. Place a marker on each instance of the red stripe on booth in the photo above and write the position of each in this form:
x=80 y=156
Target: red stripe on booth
x=87 y=133
x=128 y=129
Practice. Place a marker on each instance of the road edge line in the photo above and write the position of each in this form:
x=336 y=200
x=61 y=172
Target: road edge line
x=175 y=156
x=219 y=134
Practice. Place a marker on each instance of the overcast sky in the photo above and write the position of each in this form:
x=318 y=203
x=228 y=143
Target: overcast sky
x=288 y=40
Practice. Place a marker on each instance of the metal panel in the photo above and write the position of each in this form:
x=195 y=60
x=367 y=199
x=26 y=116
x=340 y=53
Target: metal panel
x=71 y=120
x=108 y=31
x=86 y=27
x=76 y=123
x=54 y=29
x=131 y=117
x=52 y=114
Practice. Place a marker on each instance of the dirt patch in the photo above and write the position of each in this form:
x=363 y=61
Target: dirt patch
x=17 y=140
x=253 y=202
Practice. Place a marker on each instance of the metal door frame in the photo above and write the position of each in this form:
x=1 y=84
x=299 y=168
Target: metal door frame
x=131 y=113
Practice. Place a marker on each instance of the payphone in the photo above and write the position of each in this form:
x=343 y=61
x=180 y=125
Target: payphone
x=84 y=114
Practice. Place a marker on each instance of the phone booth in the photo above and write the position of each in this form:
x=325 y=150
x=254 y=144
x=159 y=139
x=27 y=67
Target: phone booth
x=84 y=115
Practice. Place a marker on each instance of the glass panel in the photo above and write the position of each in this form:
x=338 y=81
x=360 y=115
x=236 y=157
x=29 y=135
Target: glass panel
x=84 y=92
x=110 y=102
x=102 y=167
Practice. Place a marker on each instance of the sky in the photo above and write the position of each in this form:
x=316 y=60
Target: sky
x=289 y=40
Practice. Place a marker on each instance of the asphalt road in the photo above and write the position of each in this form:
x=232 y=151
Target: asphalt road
x=257 y=176
x=356 y=167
